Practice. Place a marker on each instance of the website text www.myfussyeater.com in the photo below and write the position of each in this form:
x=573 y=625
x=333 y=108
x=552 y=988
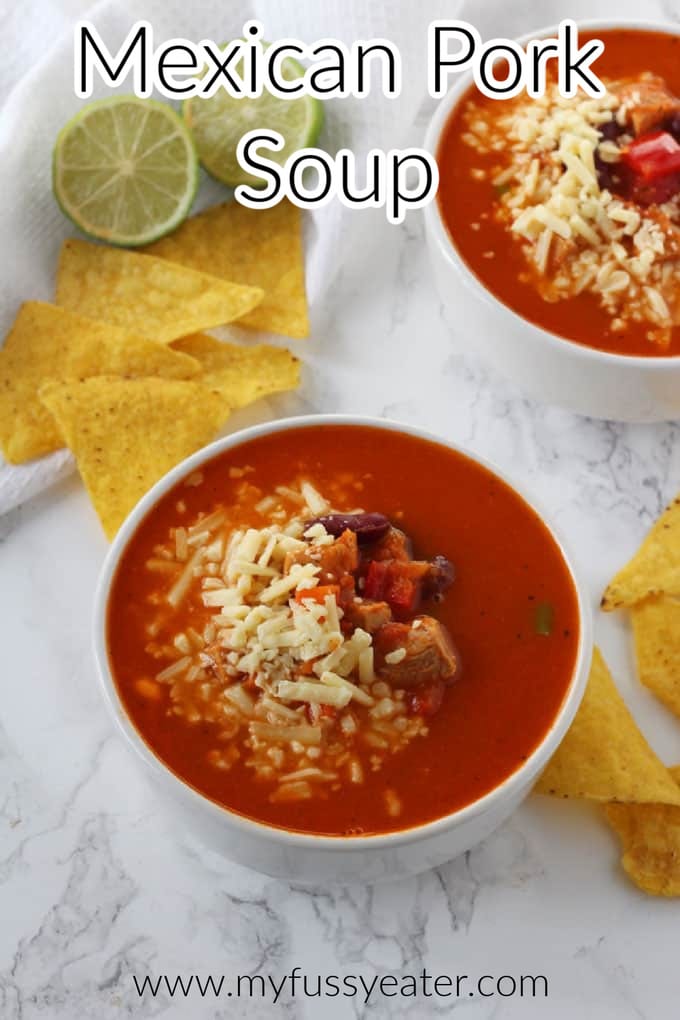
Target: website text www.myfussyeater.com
x=298 y=984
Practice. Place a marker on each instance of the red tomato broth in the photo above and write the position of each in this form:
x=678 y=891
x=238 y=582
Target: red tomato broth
x=464 y=200
x=512 y=683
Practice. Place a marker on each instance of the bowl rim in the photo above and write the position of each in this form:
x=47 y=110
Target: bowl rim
x=435 y=225
x=193 y=798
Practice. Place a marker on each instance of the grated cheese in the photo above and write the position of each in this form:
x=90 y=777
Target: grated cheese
x=314 y=500
x=396 y=656
x=314 y=693
x=575 y=235
x=285 y=685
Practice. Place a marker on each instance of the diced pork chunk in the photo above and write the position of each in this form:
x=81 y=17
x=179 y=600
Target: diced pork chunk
x=429 y=656
x=367 y=614
x=394 y=546
x=340 y=558
x=650 y=103
x=347 y=591
x=335 y=560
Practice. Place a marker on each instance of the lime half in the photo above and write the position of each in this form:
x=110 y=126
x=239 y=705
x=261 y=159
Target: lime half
x=218 y=123
x=125 y=170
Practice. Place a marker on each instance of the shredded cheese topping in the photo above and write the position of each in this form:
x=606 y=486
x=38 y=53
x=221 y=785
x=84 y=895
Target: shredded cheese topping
x=577 y=236
x=268 y=636
x=294 y=697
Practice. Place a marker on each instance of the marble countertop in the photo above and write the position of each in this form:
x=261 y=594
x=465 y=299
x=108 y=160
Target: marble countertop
x=95 y=883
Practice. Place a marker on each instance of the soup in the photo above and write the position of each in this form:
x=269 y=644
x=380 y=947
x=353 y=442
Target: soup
x=342 y=630
x=568 y=210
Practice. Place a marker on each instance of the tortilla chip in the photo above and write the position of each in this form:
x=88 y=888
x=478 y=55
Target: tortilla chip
x=241 y=374
x=127 y=433
x=259 y=247
x=655 y=568
x=656 y=627
x=47 y=342
x=159 y=299
x=650 y=835
x=604 y=756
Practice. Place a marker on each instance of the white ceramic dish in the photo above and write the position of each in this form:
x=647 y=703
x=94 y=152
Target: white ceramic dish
x=544 y=365
x=301 y=856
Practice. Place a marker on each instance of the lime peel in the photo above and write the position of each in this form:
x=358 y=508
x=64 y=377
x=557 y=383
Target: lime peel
x=218 y=122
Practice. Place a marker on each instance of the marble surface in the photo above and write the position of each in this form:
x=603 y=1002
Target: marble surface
x=96 y=885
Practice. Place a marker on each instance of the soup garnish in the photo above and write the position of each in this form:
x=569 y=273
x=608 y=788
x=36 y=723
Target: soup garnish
x=587 y=192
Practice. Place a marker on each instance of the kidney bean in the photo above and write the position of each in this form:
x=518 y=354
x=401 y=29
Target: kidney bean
x=614 y=177
x=611 y=130
x=367 y=527
x=439 y=577
x=673 y=126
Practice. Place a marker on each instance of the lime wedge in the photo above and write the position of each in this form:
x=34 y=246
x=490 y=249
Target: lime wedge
x=125 y=170
x=218 y=123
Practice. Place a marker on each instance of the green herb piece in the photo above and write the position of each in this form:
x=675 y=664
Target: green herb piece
x=544 y=619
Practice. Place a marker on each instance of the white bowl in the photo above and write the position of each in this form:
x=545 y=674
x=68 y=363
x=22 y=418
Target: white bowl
x=301 y=856
x=544 y=365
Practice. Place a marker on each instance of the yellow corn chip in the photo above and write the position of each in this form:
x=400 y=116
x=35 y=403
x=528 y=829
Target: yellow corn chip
x=127 y=433
x=159 y=299
x=47 y=342
x=650 y=835
x=655 y=568
x=241 y=374
x=260 y=247
x=656 y=626
x=604 y=756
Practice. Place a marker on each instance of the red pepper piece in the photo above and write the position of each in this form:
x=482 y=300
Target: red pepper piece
x=655 y=192
x=376 y=580
x=427 y=699
x=653 y=156
x=402 y=594
x=318 y=594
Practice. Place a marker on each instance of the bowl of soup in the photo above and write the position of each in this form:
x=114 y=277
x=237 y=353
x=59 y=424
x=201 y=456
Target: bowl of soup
x=555 y=235
x=342 y=649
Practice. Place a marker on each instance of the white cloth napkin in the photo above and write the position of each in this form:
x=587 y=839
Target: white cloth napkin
x=32 y=227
